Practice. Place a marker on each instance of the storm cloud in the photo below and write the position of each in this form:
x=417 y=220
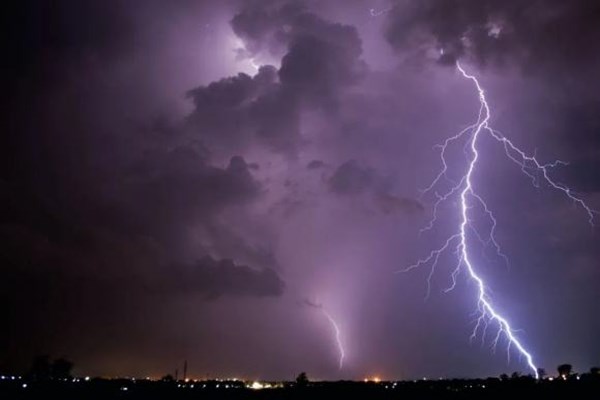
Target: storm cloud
x=319 y=60
x=222 y=278
x=540 y=35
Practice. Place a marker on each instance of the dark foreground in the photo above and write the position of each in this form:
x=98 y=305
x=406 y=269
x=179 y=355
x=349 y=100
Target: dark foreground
x=573 y=388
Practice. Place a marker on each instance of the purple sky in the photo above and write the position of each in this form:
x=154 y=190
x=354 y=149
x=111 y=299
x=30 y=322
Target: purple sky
x=162 y=198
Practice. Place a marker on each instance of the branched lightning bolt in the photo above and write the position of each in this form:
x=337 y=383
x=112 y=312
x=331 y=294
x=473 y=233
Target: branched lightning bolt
x=469 y=199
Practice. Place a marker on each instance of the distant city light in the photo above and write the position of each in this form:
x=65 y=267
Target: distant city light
x=257 y=385
x=24 y=386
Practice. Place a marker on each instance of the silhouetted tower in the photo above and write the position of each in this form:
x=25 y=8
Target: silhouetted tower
x=176 y=374
x=185 y=370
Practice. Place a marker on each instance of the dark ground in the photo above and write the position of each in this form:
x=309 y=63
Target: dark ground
x=584 y=387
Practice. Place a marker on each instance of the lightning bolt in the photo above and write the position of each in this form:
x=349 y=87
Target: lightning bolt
x=335 y=327
x=338 y=339
x=537 y=171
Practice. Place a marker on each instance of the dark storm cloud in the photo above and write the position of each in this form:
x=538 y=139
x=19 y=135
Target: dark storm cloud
x=547 y=34
x=225 y=241
x=265 y=25
x=320 y=59
x=140 y=227
x=390 y=204
x=216 y=278
x=315 y=164
x=155 y=196
x=174 y=187
x=234 y=112
x=225 y=109
x=318 y=67
x=352 y=178
x=155 y=204
x=317 y=54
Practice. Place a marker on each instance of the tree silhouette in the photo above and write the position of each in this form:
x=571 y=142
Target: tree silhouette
x=564 y=370
x=302 y=379
x=595 y=370
x=42 y=369
x=61 y=368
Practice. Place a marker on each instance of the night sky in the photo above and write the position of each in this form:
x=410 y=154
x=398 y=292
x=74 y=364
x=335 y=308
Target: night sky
x=200 y=180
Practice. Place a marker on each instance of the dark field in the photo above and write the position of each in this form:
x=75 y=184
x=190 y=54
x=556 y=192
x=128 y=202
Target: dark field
x=586 y=386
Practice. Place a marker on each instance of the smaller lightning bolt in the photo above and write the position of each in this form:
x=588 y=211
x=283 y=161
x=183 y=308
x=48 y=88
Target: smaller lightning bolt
x=334 y=326
x=338 y=339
